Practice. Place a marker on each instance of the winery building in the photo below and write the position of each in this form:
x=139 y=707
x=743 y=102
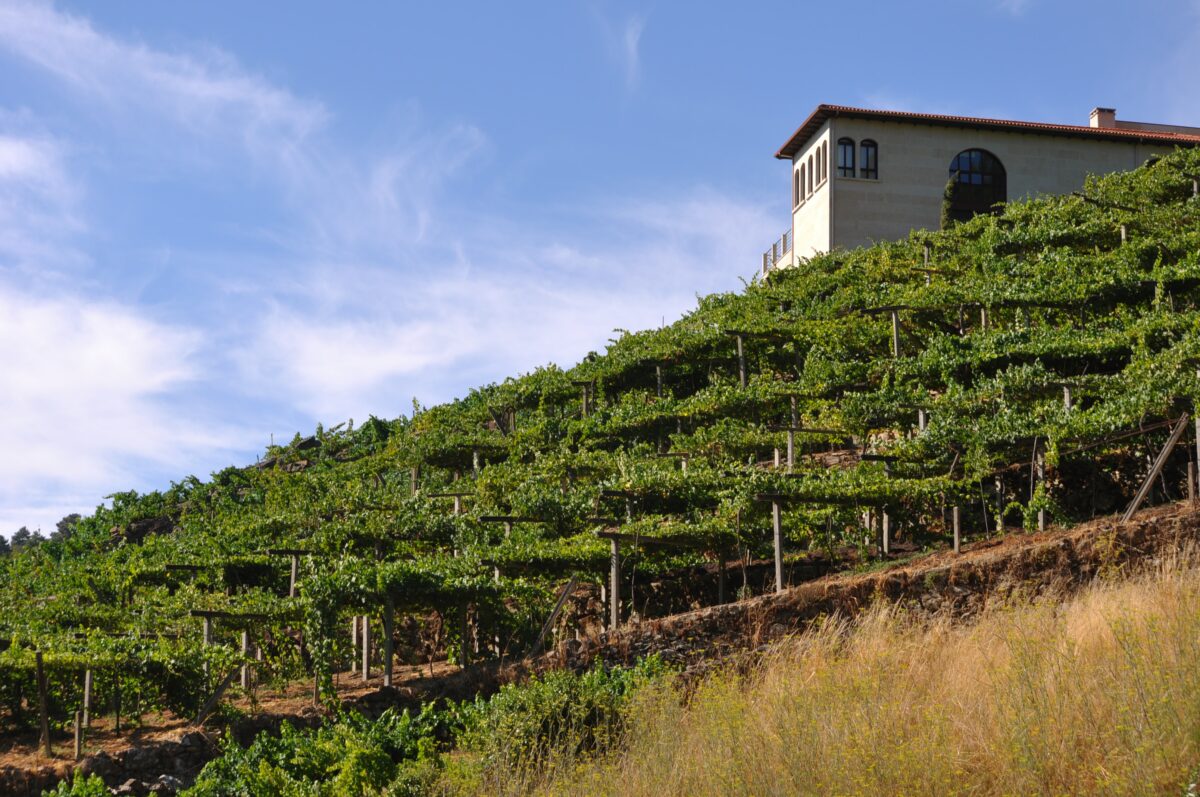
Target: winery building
x=860 y=175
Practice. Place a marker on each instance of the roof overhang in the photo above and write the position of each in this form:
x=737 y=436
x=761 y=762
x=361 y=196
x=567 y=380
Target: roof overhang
x=818 y=117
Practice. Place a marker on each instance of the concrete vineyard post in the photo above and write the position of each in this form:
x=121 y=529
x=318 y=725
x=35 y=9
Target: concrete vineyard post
x=614 y=584
x=777 y=529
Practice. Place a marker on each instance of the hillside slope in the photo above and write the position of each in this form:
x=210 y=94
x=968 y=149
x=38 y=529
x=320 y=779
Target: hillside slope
x=911 y=378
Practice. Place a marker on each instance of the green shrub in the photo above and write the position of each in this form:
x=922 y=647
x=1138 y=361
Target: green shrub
x=559 y=715
x=353 y=756
x=79 y=786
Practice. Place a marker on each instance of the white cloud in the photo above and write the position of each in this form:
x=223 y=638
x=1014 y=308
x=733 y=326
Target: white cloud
x=91 y=398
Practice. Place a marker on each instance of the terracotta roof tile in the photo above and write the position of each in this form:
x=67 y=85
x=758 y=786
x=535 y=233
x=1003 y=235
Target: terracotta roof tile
x=824 y=112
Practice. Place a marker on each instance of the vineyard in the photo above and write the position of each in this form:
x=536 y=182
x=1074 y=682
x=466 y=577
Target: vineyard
x=1035 y=367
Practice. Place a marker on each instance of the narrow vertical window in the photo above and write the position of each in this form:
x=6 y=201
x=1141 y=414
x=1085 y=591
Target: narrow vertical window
x=795 y=187
x=824 y=160
x=811 y=174
x=845 y=150
x=820 y=166
x=869 y=164
x=801 y=192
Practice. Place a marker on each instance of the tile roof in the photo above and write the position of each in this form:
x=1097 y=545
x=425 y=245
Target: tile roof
x=823 y=112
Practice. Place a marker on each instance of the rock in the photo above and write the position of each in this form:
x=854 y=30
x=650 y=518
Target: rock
x=100 y=764
x=166 y=784
x=133 y=787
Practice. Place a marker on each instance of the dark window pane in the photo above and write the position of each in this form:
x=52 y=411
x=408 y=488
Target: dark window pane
x=980 y=183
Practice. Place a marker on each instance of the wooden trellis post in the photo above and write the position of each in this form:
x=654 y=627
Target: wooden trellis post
x=922 y=420
x=567 y=590
x=245 y=672
x=957 y=529
x=721 y=579
x=465 y=632
x=614 y=584
x=777 y=532
x=791 y=436
x=1197 y=414
x=1067 y=399
x=615 y=538
x=389 y=621
x=43 y=704
x=885 y=518
x=1040 y=471
x=586 y=387
x=87 y=698
x=366 y=648
x=78 y=735
x=658 y=378
x=1156 y=468
x=116 y=702
x=741 y=361
x=415 y=478
x=294 y=577
x=895 y=333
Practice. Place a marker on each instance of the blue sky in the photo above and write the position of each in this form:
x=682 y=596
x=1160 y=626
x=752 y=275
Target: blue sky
x=225 y=221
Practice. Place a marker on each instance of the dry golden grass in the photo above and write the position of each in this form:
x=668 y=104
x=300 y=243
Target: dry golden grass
x=1098 y=695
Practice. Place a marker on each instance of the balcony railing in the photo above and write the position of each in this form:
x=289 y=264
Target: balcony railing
x=778 y=251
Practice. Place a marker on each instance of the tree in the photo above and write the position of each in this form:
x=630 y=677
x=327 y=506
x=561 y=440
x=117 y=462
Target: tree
x=65 y=527
x=948 y=200
x=5 y=548
x=24 y=538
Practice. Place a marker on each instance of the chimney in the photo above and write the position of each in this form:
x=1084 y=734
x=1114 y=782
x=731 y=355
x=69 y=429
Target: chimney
x=1104 y=117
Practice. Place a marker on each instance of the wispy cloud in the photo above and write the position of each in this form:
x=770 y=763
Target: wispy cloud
x=1014 y=7
x=39 y=214
x=514 y=296
x=204 y=92
x=622 y=40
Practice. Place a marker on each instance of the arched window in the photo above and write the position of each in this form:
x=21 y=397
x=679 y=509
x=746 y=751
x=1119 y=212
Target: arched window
x=845 y=157
x=795 y=187
x=802 y=183
x=824 y=160
x=811 y=174
x=978 y=183
x=820 y=167
x=868 y=165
